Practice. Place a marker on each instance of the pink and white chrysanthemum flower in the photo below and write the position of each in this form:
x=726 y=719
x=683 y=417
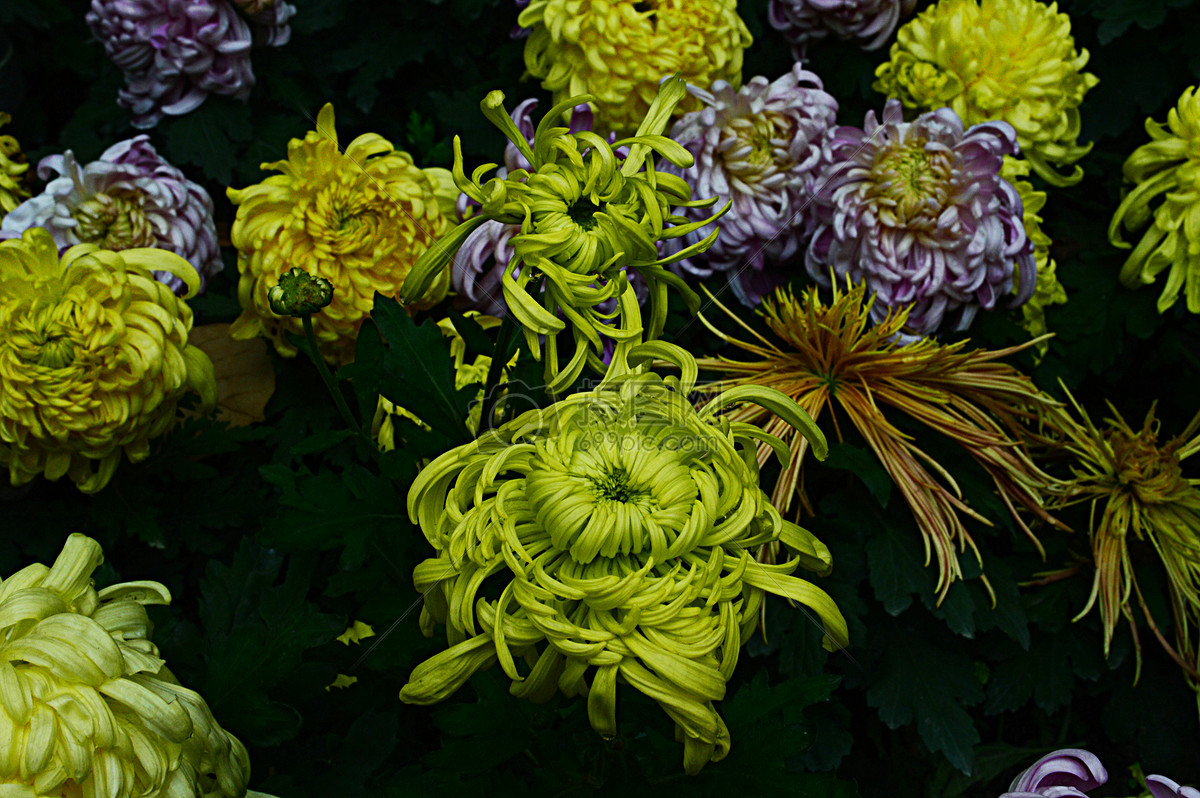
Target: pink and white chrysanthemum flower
x=918 y=211
x=129 y=197
x=871 y=23
x=175 y=53
x=760 y=148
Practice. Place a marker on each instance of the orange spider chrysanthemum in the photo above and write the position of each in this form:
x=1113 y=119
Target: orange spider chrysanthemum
x=832 y=356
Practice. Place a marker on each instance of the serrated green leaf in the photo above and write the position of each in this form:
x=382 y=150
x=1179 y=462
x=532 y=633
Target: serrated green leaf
x=208 y=137
x=864 y=465
x=921 y=682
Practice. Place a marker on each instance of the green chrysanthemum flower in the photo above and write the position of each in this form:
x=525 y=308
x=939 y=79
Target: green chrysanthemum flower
x=587 y=217
x=1164 y=207
x=615 y=531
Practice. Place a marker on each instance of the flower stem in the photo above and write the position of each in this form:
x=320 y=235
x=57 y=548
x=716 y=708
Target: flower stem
x=496 y=372
x=314 y=354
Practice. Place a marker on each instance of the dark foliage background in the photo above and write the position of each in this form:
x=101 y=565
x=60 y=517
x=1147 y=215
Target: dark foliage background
x=273 y=538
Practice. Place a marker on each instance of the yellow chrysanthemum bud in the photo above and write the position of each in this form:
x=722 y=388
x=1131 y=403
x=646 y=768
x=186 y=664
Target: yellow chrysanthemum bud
x=358 y=219
x=14 y=171
x=618 y=51
x=1011 y=60
x=1169 y=166
x=1048 y=290
x=94 y=357
x=615 y=530
x=87 y=706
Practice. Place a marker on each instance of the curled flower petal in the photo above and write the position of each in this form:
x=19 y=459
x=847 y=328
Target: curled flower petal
x=868 y=22
x=358 y=219
x=617 y=51
x=760 y=148
x=89 y=706
x=176 y=52
x=612 y=529
x=1165 y=202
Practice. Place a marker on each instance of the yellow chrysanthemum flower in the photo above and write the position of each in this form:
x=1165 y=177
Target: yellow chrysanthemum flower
x=94 y=357
x=832 y=356
x=358 y=219
x=1047 y=290
x=1013 y=60
x=1169 y=167
x=618 y=51
x=611 y=533
x=14 y=170
x=88 y=709
x=1137 y=492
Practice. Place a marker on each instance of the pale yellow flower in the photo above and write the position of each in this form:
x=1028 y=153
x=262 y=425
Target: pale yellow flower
x=94 y=357
x=618 y=51
x=88 y=708
x=358 y=219
x=1166 y=168
x=1010 y=60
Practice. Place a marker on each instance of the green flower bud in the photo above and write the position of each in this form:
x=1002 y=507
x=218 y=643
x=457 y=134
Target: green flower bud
x=300 y=294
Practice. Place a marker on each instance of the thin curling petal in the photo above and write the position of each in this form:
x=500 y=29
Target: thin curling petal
x=1011 y=60
x=574 y=232
x=1139 y=500
x=1164 y=206
x=94 y=357
x=89 y=707
x=361 y=218
x=606 y=535
x=833 y=356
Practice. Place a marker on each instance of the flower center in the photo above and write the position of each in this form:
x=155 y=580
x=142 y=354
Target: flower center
x=42 y=340
x=913 y=178
x=615 y=487
x=1150 y=474
x=113 y=222
x=583 y=213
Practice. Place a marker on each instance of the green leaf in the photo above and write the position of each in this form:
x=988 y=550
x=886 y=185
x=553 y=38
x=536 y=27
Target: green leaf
x=418 y=371
x=924 y=683
x=255 y=632
x=865 y=466
x=320 y=442
x=897 y=567
x=208 y=137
